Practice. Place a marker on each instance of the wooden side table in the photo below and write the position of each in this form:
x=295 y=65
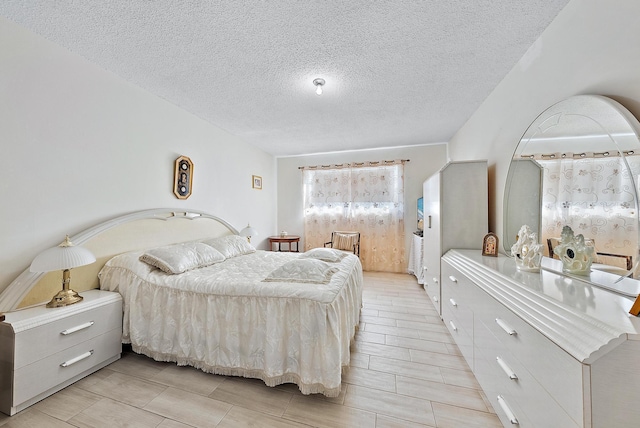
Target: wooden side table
x=289 y=239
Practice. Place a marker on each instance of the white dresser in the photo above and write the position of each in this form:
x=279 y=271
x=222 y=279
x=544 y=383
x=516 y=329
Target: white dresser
x=456 y=215
x=548 y=350
x=43 y=350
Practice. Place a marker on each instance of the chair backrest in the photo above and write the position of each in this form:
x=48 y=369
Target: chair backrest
x=345 y=240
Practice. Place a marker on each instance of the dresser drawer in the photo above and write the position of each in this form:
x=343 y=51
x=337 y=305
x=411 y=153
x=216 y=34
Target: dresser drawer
x=462 y=336
x=432 y=287
x=47 y=339
x=457 y=311
x=54 y=369
x=556 y=371
x=457 y=294
x=502 y=375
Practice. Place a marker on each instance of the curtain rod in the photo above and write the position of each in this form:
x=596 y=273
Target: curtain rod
x=356 y=164
x=582 y=155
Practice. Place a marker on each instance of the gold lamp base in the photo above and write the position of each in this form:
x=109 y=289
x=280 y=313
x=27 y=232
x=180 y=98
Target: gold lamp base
x=66 y=296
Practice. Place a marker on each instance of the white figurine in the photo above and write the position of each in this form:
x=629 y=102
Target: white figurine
x=527 y=252
x=576 y=256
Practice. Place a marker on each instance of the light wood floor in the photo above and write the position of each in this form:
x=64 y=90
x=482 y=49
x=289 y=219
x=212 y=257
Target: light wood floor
x=405 y=372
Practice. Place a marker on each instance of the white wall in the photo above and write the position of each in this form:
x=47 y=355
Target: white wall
x=590 y=48
x=423 y=162
x=80 y=145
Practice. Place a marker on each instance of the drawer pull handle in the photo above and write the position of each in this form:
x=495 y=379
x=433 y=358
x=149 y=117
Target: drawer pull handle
x=507 y=370
x=435 y=280
x=435 y=299
x=506 y=327
x=505 y=408
x=453 y=279
x=453 y=326
x=76 y=359
x=77 y=328
x=453 y=302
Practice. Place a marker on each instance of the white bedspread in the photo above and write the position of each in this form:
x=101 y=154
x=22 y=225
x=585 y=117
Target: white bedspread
x=223 y=319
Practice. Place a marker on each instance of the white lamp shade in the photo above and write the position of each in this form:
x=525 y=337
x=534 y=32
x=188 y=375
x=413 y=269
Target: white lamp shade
x=64 y=256
x=248 y=231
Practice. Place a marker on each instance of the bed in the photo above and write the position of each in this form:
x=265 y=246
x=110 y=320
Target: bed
x=282 y=330
x=279 y=317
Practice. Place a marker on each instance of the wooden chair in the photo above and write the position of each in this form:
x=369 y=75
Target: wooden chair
x=345 y=241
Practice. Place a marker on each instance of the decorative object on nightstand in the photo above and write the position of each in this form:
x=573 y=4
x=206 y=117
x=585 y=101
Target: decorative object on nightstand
x=183 y=177
x=248 y=232
x=63 y=257
x=575 y=254
x=527 y=252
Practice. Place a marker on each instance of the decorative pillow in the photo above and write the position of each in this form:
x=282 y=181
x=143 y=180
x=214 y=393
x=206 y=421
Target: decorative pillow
x=343 y=241
x=231 y=246
x=179 y=258
x=303 y=270
x=324 y=254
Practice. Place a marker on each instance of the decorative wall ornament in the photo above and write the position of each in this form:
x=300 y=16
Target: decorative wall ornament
x=183 y=177
x=575 y=254
x=527 y=252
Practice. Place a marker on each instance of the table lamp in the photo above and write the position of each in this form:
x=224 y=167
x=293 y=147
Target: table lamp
x=248 y=232
x=63 y=257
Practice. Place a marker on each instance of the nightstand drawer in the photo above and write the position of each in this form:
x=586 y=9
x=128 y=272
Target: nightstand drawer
x=55 y=369
x=39 y=342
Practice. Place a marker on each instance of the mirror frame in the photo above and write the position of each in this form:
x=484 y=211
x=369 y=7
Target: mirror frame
x=522 y=203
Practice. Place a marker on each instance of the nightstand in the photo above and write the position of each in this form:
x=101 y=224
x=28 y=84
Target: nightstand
x=43 y=350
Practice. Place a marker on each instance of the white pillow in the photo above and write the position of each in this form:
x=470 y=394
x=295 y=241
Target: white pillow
x=179 y=258
x=303 y=270
x=324 y=254
x=231 y=245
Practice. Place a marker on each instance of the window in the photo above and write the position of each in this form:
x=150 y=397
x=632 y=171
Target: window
x=368 y=198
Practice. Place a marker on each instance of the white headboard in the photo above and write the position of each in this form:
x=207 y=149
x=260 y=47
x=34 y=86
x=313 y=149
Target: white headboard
x=134 y=231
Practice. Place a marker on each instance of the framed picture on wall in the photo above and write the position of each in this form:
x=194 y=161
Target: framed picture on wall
x=257 y=182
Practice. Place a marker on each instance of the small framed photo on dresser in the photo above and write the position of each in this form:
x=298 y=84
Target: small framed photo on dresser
x=490 y=245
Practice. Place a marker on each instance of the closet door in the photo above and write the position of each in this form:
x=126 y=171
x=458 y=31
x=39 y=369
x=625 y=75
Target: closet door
x=456 y=201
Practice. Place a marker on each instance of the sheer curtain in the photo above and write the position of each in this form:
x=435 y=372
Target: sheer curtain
x=596 y=197
x=368 y=198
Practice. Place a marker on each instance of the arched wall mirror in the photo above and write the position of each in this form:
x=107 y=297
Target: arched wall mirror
x=578 y=165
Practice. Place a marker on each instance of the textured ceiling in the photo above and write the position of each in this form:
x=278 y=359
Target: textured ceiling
x=398 y=72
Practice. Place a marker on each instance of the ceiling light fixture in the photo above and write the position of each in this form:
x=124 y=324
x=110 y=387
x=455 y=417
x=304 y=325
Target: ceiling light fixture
x=319 y=82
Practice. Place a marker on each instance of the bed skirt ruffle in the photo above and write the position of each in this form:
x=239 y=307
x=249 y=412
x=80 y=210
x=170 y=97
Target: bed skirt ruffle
x=294 y=339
